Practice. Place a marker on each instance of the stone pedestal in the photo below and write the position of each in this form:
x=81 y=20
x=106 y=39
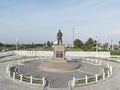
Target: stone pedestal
x=59 y=63
x=59 y=53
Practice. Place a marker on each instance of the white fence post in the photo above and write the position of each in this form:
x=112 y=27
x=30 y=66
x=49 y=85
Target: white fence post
x=43 y=81
x=7 y=68
x=86 y=79
x=9 y=73
x=111 y=70
x=96 y=76
x=103 y=75
x=21 y=78
x=108 y=73
x=13 y=75
x=73 y=82
x=30 y=79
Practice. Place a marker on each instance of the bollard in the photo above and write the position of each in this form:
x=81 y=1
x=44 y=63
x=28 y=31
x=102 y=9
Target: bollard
x=21 y=78
x=30 y=79
x=96 y=76
x=86 y=79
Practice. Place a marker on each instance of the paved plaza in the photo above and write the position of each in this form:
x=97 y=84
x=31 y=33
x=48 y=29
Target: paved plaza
x=58 y=80
x=111 y=83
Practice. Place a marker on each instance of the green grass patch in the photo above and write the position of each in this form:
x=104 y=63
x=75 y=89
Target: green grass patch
x=80 y=81
x=106 y=71
x=93 y=79
x=25 y=79
x=114 y=52
x=100 y=77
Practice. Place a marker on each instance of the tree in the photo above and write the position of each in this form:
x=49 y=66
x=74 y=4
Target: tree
x=1 y=44
x=49 y=45
x=90 y=43
x=105 y=46
x=119 y=43
x=78 y=43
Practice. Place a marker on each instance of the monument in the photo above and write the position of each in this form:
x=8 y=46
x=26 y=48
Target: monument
x=59 y=49
x=59 y=63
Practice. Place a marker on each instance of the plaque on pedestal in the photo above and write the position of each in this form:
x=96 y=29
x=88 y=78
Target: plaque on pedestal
x=59 y=53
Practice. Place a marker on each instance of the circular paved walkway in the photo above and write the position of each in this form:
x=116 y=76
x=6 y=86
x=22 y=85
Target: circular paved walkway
x=58 y=80
x=113 y=83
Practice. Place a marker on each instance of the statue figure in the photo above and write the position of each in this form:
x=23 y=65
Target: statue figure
x=59 y=37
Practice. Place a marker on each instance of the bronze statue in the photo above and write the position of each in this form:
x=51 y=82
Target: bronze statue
x=59 y=37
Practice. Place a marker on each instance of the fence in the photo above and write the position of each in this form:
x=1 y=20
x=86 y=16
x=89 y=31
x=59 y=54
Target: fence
x=50 y=54
x=11 y=71
x=6 y=53
x=67 y=54
x=106 y=72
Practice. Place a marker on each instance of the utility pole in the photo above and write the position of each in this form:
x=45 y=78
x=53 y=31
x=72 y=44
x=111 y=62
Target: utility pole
x=73 y=36
x=16 y=43
x=96 y=44
x=111 y=44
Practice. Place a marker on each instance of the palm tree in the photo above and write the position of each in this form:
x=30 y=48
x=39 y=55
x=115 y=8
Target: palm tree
x=105 y=46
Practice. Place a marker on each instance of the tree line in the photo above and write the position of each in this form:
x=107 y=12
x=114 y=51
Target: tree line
x=89 y=45
x=92 y=45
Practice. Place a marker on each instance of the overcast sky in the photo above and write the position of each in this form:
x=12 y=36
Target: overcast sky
x=38 y=21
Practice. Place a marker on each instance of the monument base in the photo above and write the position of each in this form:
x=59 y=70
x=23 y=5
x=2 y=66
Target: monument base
x=59 y=66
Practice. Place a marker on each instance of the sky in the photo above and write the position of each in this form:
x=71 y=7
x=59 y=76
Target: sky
x=38 y=21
